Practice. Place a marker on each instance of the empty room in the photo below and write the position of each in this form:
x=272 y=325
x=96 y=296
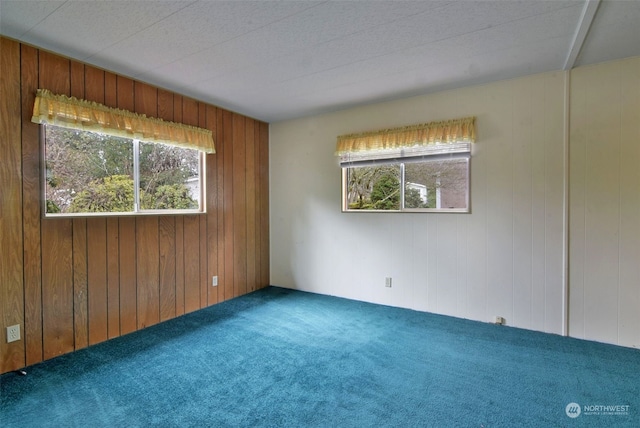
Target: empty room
x=320 y=213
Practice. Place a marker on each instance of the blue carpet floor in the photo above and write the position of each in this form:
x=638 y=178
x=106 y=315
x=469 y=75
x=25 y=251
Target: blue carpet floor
x=282 y=358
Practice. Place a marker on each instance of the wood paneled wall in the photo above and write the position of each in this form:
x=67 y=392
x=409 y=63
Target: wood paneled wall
x=72 y=283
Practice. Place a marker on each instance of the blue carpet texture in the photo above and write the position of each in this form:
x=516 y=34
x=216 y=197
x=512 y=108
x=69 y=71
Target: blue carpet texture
x=283 y=358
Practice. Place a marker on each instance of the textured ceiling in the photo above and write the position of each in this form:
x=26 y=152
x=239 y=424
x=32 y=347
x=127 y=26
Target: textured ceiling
x=276 y=60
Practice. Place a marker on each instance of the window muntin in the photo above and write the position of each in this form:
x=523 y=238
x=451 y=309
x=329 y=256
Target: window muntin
x=88 y=173
x=428 y=184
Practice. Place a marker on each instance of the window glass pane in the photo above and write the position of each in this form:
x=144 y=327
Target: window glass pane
x=87 y=172
x=373 y=187
x=169 y=177
x=437 y=184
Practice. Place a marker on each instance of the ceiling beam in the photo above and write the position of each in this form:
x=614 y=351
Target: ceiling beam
x=586 y=19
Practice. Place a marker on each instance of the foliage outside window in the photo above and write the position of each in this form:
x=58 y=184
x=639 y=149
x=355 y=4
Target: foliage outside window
x=89 y=173
x=420 y=184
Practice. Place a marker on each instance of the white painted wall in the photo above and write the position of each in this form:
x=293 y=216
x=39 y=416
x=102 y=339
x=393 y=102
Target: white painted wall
x=605 y=203
x=505 y=258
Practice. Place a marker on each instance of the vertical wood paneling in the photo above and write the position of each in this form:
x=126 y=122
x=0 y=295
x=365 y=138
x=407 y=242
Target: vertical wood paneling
x=212 y=209
x=57 y=266
x=180 y=273
x=179 y=226
x=228 y=232
x=128 y=275
x=94 y=84
x=31 y=207
x=147 y=279
x=191 y=263
x=88 y=280
x=113 y=278
x=219 y=204
x=258 y=208
x=12 y=355
x=80 y=278
x=205 y=281
x=239 y=207
x=110 y=90
x=97 y=279
x=192 y=271
x=167 y=244
x=250 y=204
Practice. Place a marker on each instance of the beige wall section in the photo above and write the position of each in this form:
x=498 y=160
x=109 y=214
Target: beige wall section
x=505 y=258
x=605 y=203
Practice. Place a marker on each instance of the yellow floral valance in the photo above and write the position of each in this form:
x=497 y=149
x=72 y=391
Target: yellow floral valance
x=449 y=131
x=70 y=112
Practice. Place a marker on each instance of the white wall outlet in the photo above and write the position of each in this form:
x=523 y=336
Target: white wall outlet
x=500 y=320
x=387 y=282
x=214 y=281
x=13 y=333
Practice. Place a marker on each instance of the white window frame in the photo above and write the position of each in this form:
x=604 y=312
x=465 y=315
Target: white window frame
x=435 y=152
x=137 y=211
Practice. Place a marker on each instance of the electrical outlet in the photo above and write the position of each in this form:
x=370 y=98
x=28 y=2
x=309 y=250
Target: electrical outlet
x=500 y=320
x=387 y=282
x=214 y=281
x=13 y=333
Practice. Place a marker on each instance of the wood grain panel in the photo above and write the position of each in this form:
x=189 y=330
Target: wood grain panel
x=125 y=94
x=94 y=84
x=12 y=355
x=97 y=279
x=77 y=79
x=145 y=99
x=258 y=208
x=205 y=281
x=219 y=204
x=239 y=207
x=110 y=90
x=228 y=241
x=165 y=105
x=191 y=263
x=113 y=278
x=148 y=266
x=31 y=208
x=57 y=288
x=264 y=204
x=80 y=289
x=167 y=248
x=128 y=275
x=250 y=204
x=212 y=213
x=57 y=268
x=179 y=265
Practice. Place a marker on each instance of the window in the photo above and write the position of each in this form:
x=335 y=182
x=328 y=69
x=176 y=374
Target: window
x=419 y=168
x=89 y=173
x=434 y=183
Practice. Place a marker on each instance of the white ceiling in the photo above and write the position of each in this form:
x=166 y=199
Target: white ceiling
x=277 y=60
